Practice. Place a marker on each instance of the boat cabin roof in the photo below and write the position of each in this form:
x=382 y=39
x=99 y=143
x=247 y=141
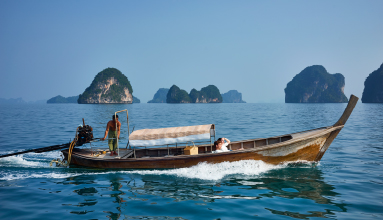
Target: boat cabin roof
x=163 y=136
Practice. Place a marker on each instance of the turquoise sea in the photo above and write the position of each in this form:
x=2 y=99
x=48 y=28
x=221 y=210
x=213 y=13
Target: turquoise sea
x=346 y=184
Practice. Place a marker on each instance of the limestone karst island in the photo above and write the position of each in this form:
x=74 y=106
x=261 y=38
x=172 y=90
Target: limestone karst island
x=232 y=96
x=61 y=99
x=373 y=87
x=209 y=94
x=160 y=96
x=108 y=86
x=111 y=86
x=315 y=85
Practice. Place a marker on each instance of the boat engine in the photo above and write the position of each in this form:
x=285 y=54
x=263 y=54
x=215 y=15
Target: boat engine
x=84 y=134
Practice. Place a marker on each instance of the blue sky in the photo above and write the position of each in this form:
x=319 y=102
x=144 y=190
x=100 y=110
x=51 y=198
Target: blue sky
x=50 y=48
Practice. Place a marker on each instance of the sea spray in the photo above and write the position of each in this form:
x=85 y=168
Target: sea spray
x=21 y=162
x=8 y=176
x=201 y=171
x=208 y=171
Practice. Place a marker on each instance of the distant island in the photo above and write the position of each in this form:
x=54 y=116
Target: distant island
x=232 y=96
x=315 y=85
x=20 y=101
x=73 y=99
x=160 y=96
x=12 y=101
x=61 y=99
x=108 y=86
x=208 y=94
x=211 y=92
x=373 y=87
x=136 y=100
x=177 y=95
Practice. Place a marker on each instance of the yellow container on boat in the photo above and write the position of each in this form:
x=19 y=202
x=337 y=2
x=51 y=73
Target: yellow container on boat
x=191 y=150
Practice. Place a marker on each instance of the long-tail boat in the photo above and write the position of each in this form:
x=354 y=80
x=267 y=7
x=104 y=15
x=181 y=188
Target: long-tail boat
x=167 y=147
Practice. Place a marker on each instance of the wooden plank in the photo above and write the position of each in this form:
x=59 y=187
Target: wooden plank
x=347 y=112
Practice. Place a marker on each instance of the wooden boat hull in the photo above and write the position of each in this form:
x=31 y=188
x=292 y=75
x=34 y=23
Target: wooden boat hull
x=302 y=146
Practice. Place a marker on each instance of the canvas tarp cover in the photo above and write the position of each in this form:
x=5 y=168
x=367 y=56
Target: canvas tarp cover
x=163 y=136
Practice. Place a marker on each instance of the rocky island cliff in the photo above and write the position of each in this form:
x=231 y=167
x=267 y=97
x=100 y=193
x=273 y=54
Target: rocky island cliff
x=208 y=94
x=315 y=85
x=160 y=96
x=108 y=86
x=232 y=96
x=177 y=95
x=373 y=87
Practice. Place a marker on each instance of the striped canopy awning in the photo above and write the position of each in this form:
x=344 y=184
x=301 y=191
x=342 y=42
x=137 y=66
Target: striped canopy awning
x=163 y=136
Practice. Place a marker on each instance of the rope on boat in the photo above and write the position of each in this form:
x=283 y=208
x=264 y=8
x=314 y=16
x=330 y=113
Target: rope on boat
x=70 y=151
x=62 y=162
x=58 y=162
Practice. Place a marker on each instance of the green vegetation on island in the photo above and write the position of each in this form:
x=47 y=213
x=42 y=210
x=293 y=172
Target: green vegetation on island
x=373 y=87
x=160 y=96
x=61 y=99
x=209 y=94
x=108 y=86
x=177 y=95
x=195 y=95
x=315 y=85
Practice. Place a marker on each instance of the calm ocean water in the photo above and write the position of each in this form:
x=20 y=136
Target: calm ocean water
x=346 y=184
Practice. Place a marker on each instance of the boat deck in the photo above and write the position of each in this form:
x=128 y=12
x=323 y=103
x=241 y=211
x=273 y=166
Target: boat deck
x=98 y=153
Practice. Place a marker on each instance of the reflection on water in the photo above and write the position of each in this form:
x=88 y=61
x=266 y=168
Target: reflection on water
x=177 y=189
x=293 y=182
x=116 y=194
x=302 y=183
x=307 y=183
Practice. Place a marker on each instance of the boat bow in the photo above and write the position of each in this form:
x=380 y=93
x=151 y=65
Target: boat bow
x=340 y=123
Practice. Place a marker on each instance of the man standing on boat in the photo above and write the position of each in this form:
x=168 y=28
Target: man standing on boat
x=113 y=134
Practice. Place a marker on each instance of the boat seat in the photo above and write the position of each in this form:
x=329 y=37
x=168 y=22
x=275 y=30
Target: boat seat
x=127 y=154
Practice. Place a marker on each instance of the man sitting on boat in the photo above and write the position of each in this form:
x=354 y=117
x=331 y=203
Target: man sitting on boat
x=113 y=134
x=220 y=145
